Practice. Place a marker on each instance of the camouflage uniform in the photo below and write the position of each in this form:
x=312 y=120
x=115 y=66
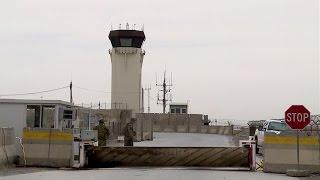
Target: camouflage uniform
x=103 y=133
x=129 y=134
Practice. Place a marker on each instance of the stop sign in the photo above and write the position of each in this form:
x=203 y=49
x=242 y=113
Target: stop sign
x=297 y=117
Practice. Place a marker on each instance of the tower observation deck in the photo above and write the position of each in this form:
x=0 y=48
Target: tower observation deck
x=127 y=38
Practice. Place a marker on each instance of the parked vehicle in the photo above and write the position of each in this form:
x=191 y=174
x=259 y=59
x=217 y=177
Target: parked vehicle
x=272 y=126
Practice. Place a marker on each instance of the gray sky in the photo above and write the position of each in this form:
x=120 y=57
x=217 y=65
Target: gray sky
x=247 y=59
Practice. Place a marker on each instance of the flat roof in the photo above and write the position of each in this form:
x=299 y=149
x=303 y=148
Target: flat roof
x=179 y=104
x=33 y=101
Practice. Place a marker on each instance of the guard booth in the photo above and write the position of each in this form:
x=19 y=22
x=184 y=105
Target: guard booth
x=21 y=113
x=178 y=108
x=51 y=133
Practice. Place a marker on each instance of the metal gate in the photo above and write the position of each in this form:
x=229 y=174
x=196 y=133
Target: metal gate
x=170 y=156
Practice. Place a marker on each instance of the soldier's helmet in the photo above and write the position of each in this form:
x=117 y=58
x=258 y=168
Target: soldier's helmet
x=133 y=120
x=101 y=121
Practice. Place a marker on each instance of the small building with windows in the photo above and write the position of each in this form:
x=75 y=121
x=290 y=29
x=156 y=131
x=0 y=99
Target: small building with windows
x=179 y=108
x=21 y=113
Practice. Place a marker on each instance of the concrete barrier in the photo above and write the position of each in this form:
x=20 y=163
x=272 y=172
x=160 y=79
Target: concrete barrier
x=156 y=128
x=147 y=129
x=280 y=152
x=147 y=136
x=194 y=129
x=8 y=150
x=182 y=129
x=204 y=129
x=169 y=129
x=48 y=147
x=182 y=123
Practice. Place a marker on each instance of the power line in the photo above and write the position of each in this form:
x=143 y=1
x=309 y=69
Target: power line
x=100 y=91
x=86 y=89
x=38 y=92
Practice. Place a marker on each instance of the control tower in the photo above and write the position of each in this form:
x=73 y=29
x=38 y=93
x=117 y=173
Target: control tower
x=126 y=59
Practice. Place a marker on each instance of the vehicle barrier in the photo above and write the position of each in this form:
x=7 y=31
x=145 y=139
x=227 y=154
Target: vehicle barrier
x=236 y=157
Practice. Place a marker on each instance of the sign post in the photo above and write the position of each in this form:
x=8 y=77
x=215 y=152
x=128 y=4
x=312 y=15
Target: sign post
x=297 y=117
x=298 y=147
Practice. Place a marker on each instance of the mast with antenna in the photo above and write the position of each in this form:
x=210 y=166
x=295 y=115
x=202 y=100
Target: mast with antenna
x=71 y=98
x=166 y=89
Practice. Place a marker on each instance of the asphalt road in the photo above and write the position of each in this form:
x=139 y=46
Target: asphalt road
x=147 y=174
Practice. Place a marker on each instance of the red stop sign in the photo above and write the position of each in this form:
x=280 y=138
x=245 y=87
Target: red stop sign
x=297 y=117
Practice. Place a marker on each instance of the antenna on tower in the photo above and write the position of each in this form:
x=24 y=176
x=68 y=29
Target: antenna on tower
x=127 y=26
x=165 y=88
x=119 y=26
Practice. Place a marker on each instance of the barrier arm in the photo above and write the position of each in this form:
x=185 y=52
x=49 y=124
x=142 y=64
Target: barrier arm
x=251 y=145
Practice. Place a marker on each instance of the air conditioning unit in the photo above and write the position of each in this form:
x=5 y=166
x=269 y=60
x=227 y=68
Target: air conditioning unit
x=66 y=113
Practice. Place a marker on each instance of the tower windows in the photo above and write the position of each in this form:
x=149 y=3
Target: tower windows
x=125 y=42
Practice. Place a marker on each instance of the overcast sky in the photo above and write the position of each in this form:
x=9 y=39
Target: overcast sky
x=242 y=59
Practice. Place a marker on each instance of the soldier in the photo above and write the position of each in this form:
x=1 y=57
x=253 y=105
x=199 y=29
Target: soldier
x=129 y=133
x=103 y=133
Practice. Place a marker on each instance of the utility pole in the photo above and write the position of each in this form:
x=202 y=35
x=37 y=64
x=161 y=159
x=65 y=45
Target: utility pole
x=148 y=89
x=165 y=90
x=71 y=98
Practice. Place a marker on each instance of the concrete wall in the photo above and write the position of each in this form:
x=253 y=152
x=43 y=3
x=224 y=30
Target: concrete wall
x=13 y=115
x=240 y=133
x=280 y=152
x=8 y=151
x=126 y=78
x=116 y=119
x=183 y=123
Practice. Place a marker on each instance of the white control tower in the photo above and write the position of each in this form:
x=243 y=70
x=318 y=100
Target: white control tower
x=126 y=58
